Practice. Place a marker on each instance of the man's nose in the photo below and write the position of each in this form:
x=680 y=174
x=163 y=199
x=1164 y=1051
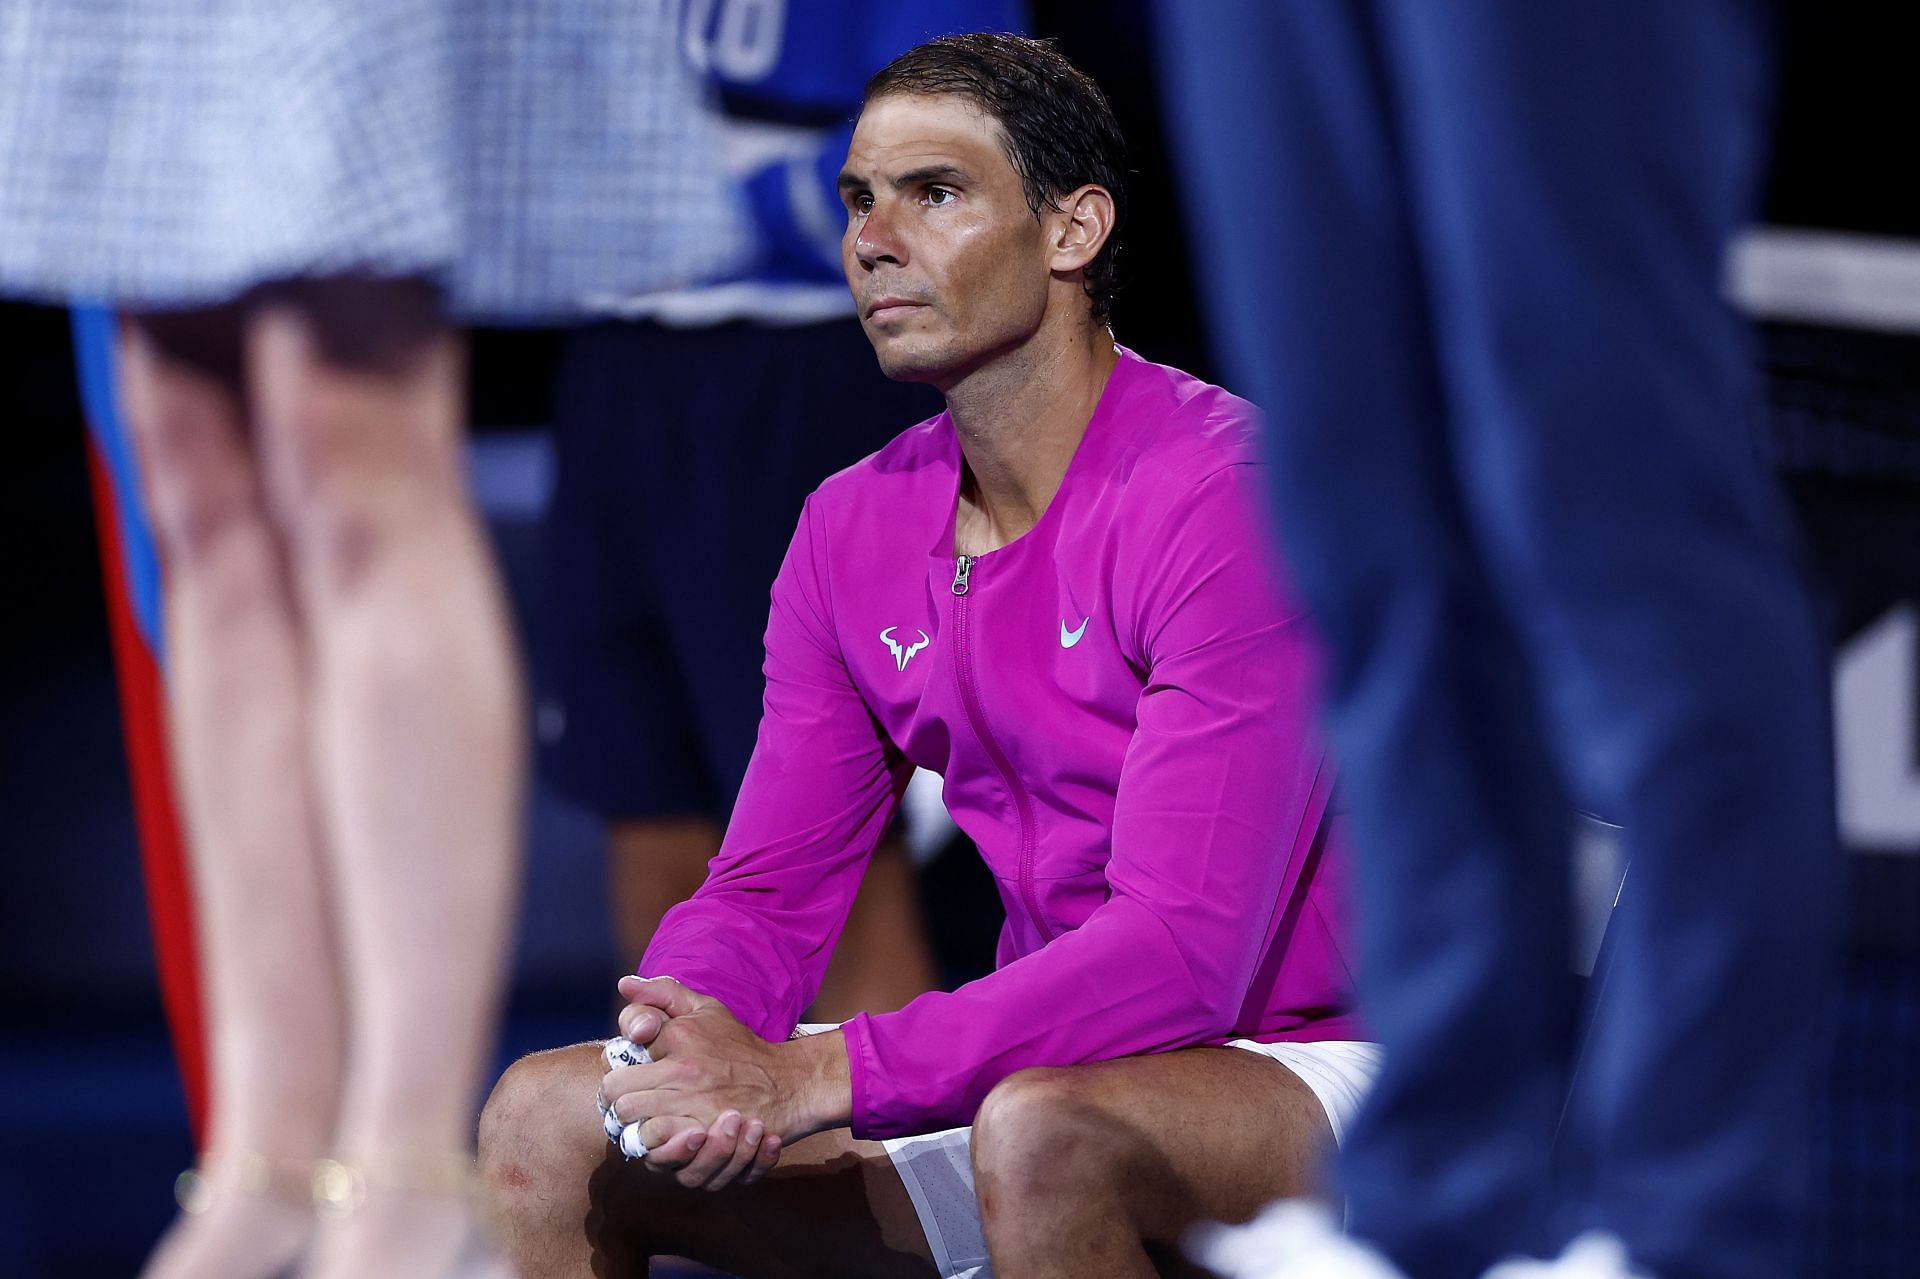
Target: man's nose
x=876 y=241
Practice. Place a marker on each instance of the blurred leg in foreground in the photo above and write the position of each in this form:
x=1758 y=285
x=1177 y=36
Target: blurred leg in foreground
x=347 y=713
x=1474 y=277
x=238 y=725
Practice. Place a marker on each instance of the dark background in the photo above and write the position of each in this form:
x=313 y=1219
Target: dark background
x=91 y=1123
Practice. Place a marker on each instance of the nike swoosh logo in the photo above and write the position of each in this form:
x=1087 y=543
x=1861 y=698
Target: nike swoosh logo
x=1069 y=638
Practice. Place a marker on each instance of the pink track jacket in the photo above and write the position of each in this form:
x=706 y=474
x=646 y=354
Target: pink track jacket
x=1120 y=703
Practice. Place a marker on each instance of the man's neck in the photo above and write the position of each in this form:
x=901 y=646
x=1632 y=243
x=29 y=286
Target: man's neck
x=1019 y=420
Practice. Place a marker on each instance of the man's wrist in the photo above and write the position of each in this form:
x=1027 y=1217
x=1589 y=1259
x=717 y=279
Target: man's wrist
x=826 y=1088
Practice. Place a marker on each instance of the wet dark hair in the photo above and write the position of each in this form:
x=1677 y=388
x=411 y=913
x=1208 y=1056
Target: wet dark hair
x=1061 y=134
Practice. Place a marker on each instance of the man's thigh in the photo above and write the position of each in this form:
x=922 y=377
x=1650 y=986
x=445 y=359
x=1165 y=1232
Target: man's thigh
x=833 y=1207
x=1239 y=1130
x=1204 y=1134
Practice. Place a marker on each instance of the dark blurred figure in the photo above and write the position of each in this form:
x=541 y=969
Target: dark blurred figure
x=1469 y=256
x=689 y=431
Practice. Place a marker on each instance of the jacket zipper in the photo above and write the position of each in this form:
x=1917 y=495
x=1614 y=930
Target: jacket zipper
x=976 y=717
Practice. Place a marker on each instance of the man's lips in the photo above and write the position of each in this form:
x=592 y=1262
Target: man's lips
x=888 y=308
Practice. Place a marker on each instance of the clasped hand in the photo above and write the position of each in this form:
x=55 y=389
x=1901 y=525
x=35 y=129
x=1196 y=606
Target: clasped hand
x=717 y=1102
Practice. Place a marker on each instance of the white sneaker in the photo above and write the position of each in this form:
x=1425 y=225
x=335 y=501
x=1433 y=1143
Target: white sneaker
x=1291 y=1239
x=1594 y=1255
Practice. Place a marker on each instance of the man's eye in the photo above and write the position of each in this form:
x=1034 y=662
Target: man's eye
x=939 y=195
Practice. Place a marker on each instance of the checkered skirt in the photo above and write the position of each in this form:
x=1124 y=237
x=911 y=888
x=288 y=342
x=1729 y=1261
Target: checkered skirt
x=524 y=154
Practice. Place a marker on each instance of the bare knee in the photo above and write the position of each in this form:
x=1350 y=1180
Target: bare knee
x=561 y=1198
x=203 y=494
x=361 y=453
x=208 y=524
x=1042 y=1137
x=348 y=505
x=540 y=1138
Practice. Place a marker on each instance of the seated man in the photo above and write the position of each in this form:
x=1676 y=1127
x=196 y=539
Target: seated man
x=1058 y=595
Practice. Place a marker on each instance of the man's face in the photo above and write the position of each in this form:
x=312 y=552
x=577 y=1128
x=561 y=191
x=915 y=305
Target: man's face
x=947 y=263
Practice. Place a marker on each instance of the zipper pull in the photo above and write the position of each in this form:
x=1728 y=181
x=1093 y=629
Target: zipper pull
x=962 y=570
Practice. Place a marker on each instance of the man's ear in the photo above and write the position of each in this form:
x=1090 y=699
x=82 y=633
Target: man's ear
x=1081 y=228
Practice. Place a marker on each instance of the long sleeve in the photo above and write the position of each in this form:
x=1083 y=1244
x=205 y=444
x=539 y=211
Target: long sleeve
x=818 y=793
x=1221 y=796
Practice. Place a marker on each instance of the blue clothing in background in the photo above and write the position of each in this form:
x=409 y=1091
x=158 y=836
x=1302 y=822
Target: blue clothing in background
x=95 y=352
x=1468 y=256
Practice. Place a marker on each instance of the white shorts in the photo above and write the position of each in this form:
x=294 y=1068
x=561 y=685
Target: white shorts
x=937 y=1167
